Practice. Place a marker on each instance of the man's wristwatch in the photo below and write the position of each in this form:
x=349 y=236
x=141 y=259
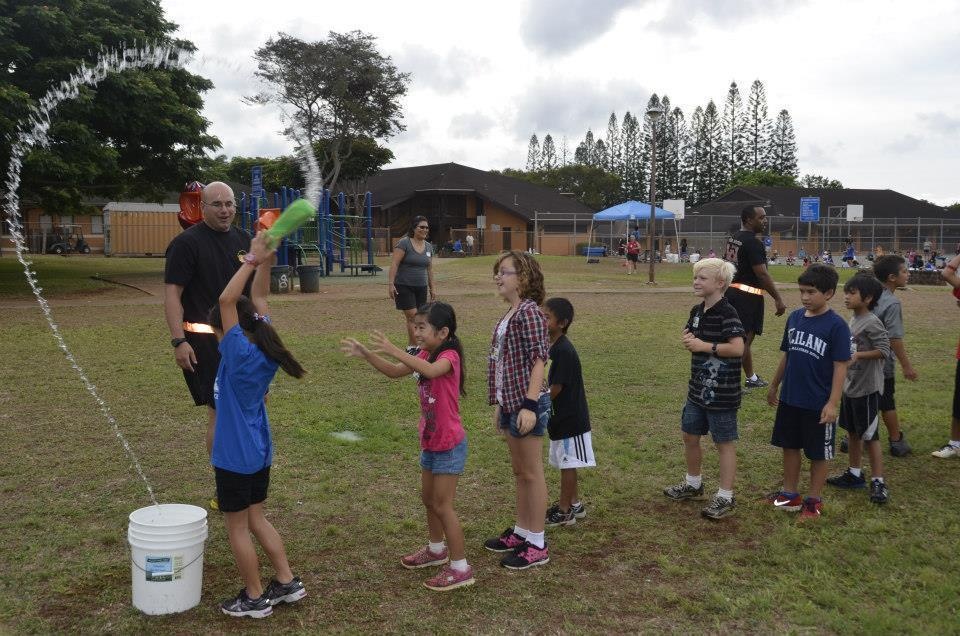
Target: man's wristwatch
x=176 y=342
x=713 y=349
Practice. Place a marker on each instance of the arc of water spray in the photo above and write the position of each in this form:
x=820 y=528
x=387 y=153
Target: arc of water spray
x=35 y=133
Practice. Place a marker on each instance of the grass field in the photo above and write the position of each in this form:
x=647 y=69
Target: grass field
x=348 y=510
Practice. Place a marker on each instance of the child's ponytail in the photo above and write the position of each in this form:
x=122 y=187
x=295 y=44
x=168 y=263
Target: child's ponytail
x=440 y=315
x=262 y=334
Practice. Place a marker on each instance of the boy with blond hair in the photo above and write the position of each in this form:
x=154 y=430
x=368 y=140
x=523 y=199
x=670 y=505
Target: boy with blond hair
x=714 y=336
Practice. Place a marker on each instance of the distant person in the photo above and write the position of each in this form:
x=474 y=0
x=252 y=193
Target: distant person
x=411 y=274
x=927 y=247
x=952 y=448
x=571 y=443
x=714 y=337
x=712 y=253
x=750 y=281
x=199 y=263
x=633 y=254
x=860 y=405
x=457 y=247
x=816 y=351
x=443 y=442
x=242 y=455
x=469 y=241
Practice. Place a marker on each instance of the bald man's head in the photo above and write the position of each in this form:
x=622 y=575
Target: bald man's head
x=219 y=206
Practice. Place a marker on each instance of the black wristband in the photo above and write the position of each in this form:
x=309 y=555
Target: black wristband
x=176 y=342
x=530 y=405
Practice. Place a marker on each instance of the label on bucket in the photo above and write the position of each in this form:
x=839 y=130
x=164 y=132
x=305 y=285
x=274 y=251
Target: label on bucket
x=163 y=568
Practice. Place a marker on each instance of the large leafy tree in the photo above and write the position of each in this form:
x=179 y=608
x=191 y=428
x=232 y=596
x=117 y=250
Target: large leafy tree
x=138 y=133
x=339 y=89
x=818 y=181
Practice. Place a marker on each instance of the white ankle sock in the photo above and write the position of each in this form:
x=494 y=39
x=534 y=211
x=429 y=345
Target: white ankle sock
x=460 y=565
x=726 y=494
x=436 y=548
x=955 y=443
x=880 y=479
x=521 y=532
x=694 y=481
x=753 y=378
x=536 y=538
x=575 y=504
x=856 y=472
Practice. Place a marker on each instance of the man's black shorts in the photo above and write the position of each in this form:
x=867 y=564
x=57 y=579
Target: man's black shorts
x=860 y=416
x=236 y=491
x=749 y=307
x=633 y=257
x=887 y=401
x=200 y=381
x=956 y=393
x=410 y=297
x=797 y=428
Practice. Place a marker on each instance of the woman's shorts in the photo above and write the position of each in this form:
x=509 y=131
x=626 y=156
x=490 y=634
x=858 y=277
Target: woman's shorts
x=633 y=257
x=449 y=462
x=508 y=421
x=410 y=297
x=237 y=492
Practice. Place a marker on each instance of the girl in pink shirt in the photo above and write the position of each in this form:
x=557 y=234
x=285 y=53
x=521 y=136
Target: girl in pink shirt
x=443 y=442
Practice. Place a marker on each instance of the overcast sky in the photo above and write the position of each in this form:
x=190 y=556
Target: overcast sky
x=873 y=85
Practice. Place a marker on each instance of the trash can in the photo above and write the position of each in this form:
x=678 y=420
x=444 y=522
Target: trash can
x=309 y=278
x=280 y=279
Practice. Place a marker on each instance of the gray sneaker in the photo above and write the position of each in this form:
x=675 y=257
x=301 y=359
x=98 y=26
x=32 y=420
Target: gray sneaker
x=579 y=510
x=759 y=383
x=878 y=492
x=900 y=448
x=719 y=508
x=683 y=490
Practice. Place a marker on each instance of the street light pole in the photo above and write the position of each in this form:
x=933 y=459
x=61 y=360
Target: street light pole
x=653 y=113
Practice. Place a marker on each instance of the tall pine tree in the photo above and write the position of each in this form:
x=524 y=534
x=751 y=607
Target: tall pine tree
x=600 y=155
x=693 y=175
x=783 y=146
x=585 y=151
x=647 y=147
x=757 y=143
x=631 y=175
x=675 y=131
x=734 y=132
x=712 y=163
x=548 y=154
x=613 y=145
x=533 y=154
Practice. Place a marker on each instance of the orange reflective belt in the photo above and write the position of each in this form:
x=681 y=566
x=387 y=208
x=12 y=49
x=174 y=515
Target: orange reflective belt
x=748 y=288
x=197 y=327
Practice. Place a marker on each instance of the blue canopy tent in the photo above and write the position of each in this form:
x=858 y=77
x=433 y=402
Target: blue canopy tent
x=629 y=211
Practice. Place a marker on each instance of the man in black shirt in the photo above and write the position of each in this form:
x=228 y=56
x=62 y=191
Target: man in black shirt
x=746 y=251
x=200 y=262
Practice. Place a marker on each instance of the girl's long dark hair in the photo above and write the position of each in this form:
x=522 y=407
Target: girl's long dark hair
x=262 y=334
x=440 y=315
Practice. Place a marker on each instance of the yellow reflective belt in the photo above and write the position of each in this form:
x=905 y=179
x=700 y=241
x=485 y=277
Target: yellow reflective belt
x=197 y=327
x=748 y=288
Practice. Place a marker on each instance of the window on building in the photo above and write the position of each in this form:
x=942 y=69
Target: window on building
x=66 y=219
x=46 y=222
x=96 y=224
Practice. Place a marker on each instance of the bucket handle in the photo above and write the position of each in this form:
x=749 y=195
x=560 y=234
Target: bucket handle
x=177 y=571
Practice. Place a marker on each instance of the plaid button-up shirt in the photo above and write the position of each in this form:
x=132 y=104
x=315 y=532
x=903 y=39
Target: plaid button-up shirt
x=525 y=342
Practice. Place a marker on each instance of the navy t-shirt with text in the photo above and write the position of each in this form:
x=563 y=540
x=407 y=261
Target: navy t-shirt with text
x=812 y=345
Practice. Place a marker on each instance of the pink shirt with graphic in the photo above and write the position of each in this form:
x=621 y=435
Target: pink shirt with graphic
x=440 y=425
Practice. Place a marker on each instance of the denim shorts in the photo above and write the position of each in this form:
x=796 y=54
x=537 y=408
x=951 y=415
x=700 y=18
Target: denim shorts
x=450 y=462
x=722 y=425
x=508 y=421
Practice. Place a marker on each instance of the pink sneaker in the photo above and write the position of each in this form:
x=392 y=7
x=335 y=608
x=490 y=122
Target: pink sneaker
x=424 y=558
x=450 y=579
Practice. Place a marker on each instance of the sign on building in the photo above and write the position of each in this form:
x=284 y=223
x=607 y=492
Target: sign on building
x=256 y=178
x=676 y=206
x=854 y=213
x=810 y=209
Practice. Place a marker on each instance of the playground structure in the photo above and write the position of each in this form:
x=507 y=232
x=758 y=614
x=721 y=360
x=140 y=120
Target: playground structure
x=332 y=238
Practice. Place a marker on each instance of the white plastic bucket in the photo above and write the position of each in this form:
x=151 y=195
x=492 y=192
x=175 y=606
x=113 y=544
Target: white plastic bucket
x=166 y=557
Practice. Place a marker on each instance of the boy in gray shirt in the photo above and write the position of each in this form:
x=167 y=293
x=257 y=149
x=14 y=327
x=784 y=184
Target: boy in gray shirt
x=863 y=387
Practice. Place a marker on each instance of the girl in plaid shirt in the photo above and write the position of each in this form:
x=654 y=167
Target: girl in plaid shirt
x=515 y=378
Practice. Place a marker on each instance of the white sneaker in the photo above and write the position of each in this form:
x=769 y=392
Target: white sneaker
x=947 y=452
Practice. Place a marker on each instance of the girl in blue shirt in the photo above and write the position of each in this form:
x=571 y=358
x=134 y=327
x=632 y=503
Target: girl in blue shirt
x=250 y=353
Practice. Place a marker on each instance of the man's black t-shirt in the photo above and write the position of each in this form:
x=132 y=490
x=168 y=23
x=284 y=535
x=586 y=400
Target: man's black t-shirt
x=745 y=250
x=202 y=261
x=570 y=415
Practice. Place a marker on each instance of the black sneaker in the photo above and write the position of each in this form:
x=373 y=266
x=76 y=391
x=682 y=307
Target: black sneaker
x=507 y=541
x=845 y=444
x=847 y=480
x=557 y=517
x=878 y=492
x=526 y=555
x=683 y=490
x=579 y=510
x=290 y=592
x=900 y=448
x=719 y=508
x=759 y=383
x=242 y=605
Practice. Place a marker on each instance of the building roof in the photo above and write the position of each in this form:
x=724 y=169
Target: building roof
x=391 y=187
x=136 y=206
x=786 y=202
